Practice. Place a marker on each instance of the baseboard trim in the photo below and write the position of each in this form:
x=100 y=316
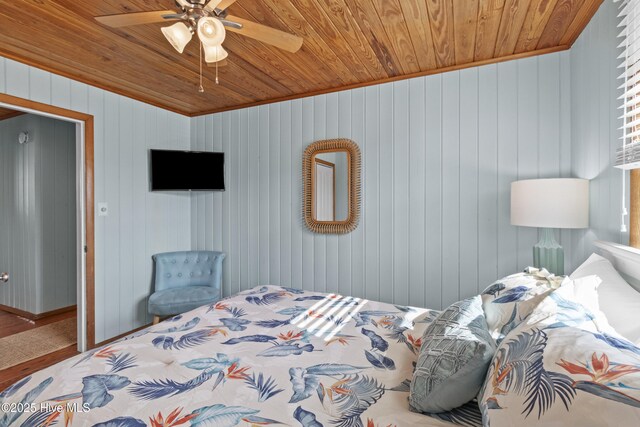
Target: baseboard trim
x=39 y=316
x=116 y=338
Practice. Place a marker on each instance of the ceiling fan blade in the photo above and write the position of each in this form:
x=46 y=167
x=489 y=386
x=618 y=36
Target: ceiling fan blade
x=289 y=42
x=184 y=3
x=222 y=63
x=212 y=5
x=225 y=4
x=135 y=18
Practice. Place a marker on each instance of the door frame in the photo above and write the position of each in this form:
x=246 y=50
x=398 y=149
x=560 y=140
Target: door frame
x=85 y=206
x=331 y=166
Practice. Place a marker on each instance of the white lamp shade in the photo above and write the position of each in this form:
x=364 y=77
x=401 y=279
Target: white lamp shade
x=214 y=53
x=550 y=203
x=179 y=35
x=211 y=31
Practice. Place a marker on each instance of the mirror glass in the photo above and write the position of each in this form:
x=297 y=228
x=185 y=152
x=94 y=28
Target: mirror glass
x=330 y=189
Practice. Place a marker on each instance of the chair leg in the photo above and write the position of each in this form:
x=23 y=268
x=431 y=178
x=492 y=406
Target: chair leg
x=156 y=320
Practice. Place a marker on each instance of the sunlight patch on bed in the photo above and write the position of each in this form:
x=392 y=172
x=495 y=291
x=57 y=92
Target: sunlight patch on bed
x=338 y=319
x=347 y=319
x=317 y=309
x=329 y=315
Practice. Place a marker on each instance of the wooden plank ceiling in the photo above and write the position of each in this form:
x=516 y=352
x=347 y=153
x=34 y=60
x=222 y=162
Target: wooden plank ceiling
x=347 y=43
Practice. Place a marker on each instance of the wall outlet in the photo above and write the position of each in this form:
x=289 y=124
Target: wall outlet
x=103 y=209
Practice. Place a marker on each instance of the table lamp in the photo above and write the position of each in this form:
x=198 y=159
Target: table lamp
x=549 y=204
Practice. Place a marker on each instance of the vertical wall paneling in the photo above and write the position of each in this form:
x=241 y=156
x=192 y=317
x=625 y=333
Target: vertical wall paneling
x=487 y=175
x=140 y=223
x=433 y=189
x=286 y=184
x=401 y=191
x=111 y=296
x=308 y=261
x=357 y=238
x=344 y=258
x=273 y=130
x=297 y=236
x=595 y=129
x=450 y=188
x=38 y=210
x=332 y=255
x=141 y=263
x=60 y=91
x=528 y=142
x=507 y=165
x=565 y=142
x=17 y=79
x=416 y=191
x=371 y=193
x=39 y=85
x=254 y=235
x=126 y=215
x=3 y=75
x=239 y=216
x=439 y=154
x=469 y=179
x=264 y=198
x=386 y=201
x=320 y=241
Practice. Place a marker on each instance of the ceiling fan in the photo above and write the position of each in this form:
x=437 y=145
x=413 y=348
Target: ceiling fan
x=209 y=20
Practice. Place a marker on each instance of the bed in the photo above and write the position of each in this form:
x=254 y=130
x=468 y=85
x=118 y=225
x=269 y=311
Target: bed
x=268 y=356
x=283 y=356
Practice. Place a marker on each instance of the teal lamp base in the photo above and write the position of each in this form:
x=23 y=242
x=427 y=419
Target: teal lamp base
x=548 y=253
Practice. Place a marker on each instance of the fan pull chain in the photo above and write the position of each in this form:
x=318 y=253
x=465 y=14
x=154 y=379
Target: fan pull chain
x=217 y=61
x=201 y=88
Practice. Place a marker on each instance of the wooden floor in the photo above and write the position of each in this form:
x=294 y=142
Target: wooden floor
x=11 y=324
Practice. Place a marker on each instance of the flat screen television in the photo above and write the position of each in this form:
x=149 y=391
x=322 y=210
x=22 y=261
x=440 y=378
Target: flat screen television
x=186 y=171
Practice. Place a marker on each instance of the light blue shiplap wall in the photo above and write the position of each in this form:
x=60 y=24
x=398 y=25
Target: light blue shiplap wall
x=38 y=214
x=140 y=223
x=439 y=154
x=596 y=128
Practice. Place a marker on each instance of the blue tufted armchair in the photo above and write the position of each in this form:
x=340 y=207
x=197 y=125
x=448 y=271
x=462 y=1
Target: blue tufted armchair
x=185 y=281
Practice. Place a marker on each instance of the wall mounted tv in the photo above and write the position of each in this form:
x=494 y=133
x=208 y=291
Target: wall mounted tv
x=186 y=171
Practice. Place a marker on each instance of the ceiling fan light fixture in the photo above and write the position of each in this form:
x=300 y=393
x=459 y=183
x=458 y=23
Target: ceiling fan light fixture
x=214 y=53
x=211 y=31
x=179 y=35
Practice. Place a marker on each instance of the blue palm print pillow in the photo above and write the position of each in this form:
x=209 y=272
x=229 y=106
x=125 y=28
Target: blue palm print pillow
x=561 y=367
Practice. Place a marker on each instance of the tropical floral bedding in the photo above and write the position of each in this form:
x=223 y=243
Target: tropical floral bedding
x=269 y=356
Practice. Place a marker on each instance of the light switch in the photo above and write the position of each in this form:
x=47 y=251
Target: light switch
x=103 y=209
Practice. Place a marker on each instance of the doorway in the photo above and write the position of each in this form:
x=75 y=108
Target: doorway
x=325 y=190
x=46 y=235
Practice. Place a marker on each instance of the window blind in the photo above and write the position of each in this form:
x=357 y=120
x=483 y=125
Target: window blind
x=628 y=155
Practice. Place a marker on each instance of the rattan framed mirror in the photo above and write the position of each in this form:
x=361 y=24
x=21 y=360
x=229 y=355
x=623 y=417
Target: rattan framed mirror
x=332 y=186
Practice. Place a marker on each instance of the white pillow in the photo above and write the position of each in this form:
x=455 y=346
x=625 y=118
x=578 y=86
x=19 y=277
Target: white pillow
x=583 y=290
x=619 y=302
x=579 y=296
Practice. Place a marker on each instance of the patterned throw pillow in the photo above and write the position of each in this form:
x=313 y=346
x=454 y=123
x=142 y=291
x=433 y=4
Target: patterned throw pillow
x=562 y=366
x=510 y=300
x=453 y=360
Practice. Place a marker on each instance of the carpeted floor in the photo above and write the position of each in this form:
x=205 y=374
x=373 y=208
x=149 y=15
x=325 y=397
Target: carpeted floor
x=25 y=346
